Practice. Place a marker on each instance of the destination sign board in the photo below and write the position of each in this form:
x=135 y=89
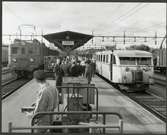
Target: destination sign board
x=67 y=42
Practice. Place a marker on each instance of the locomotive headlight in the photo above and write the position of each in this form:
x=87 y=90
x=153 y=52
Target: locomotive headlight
x=14 y=60
x=31 y=59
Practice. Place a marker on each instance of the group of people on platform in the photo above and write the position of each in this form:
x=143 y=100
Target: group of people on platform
x=75 y=68
x=48 y=96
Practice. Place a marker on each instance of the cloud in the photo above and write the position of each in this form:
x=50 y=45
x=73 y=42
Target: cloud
x=84 y=17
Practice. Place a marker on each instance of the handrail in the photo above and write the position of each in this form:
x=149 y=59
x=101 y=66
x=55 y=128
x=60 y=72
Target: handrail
x=104 y=125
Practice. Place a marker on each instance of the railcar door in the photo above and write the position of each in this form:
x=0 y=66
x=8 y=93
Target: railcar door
x=111 y=66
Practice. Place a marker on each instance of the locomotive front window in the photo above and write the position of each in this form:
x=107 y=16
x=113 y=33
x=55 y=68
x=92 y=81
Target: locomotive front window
x=143 y=61
x=14 y=50
x=30 y=51
x=127 y=61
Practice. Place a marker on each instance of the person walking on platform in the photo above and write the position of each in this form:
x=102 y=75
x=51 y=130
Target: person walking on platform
x=93 y=65
x=47 y=100
x=59 y=73
x=88 y=71
x=83 y=67
x=74 y=70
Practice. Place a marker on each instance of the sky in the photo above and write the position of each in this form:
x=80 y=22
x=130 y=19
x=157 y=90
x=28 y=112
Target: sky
x=99 y=18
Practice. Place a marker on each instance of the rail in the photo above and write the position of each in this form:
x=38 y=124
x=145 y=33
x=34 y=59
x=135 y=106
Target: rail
x=160 y=81
x=103 y=125
x=6 y=70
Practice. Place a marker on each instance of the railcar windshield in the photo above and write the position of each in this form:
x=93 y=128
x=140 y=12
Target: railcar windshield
x=143 y=61
x=135 y=60
x=127 y=61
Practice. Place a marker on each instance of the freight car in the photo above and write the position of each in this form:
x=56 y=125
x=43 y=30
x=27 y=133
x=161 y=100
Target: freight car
x=4 y=55
x=27 y=56
x=131 y=68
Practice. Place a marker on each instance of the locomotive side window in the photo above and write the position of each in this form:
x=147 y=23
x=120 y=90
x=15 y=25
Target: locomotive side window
x=30 y=51
x=127 y=61
x=14 y=50
x=23 y=50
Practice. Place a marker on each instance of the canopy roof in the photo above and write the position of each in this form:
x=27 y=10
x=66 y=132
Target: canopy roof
x=79 y=39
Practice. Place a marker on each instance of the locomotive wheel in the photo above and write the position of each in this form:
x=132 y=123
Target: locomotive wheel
x=19 y=74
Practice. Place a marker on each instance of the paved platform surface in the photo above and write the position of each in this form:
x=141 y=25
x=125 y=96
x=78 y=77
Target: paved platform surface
x=136 y=118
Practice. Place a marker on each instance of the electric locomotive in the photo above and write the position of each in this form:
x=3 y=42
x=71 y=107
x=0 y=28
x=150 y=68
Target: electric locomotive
x=27 y=56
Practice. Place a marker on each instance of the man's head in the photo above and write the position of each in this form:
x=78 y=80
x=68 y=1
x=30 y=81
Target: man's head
x=58 y=61
x=40 y=76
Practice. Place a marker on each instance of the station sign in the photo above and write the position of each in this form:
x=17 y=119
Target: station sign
x=67 y=42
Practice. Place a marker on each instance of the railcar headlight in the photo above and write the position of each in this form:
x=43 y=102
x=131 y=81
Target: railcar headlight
x=148 y=68
x=14 y=60
x=31 y=59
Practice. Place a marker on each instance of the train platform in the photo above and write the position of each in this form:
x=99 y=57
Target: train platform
x=136 y=118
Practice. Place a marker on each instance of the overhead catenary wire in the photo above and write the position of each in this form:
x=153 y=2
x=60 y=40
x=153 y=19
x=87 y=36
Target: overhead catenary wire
x=129 y=11
x=18 y=17
x=131 y=14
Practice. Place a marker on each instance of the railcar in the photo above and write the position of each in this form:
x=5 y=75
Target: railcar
x=27 y=56
x=126 y=67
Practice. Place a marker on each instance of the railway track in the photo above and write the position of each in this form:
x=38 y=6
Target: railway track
x=12 y=86
x=152 y=103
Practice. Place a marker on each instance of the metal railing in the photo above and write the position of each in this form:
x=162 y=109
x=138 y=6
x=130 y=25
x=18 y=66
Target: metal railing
x=103 y=125
x=77 y=89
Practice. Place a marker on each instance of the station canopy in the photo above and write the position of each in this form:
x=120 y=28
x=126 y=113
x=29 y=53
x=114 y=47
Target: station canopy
x=68 y=40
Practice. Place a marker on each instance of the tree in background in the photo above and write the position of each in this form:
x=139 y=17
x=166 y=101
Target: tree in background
x=139 y=47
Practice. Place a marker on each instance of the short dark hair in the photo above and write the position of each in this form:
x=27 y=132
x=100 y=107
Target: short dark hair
x=39 y=75
x=88 y=62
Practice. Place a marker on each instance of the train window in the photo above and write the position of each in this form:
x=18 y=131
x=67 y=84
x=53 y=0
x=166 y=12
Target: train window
x=127 y=61
x=114 y=61
x=104 y=57
x=30 y=50
x=14 y=50
x=23 y=50
x=101 y=58
x=143 y=61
